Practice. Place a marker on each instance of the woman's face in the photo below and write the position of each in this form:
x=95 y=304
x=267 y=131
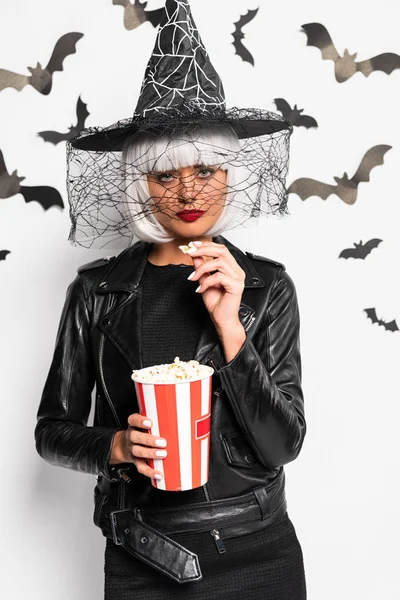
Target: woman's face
x=193 y=188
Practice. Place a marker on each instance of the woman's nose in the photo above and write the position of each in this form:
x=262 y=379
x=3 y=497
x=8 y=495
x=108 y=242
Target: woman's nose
x=187 y=191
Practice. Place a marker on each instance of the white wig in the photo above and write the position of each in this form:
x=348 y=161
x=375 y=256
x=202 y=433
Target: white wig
x=198 y=144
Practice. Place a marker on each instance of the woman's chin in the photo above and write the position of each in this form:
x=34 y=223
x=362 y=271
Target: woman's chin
x=188 y=230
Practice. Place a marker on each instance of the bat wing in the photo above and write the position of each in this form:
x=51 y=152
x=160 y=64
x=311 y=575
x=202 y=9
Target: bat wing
x=386 y=62
x=65 y=46
x=46 y=196
x=54 y=136
x=121 y=2
x=242 y=51
x=391 y=326
x=372 y=158
x=283 y=107
x=370 y=245
x=82 y=114
x=3 y=168
x=318 y=36
x=13 y=80
x=305 y=188
x=3 y=254
x=306 y=121
x=371 y=314
x=244 y=20
x=154 y=16
x=349 y=253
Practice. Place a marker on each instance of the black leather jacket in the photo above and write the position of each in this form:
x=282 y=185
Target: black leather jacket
x=257 y=423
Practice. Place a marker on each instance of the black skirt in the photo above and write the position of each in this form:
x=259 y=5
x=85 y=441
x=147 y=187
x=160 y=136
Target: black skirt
x=266 y=565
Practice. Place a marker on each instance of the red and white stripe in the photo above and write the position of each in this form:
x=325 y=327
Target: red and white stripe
x=181 y=414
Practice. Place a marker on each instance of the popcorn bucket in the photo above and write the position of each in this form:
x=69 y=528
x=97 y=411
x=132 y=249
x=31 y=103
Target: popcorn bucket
x=180 y=413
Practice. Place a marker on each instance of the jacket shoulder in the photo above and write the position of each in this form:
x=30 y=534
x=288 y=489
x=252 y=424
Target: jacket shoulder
x=94 y=264
x=265 y=259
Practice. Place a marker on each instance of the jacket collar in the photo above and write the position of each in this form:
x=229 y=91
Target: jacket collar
x=126 y=271
x=121 y=323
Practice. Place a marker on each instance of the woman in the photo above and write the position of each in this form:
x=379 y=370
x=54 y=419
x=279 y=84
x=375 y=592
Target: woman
x=233 y=536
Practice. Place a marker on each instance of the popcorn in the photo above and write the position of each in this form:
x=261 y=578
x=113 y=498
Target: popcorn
x=175 y=372
x=185 y=249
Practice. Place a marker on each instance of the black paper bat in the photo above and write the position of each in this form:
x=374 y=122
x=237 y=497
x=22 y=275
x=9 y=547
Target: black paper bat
x=55 y=137
x=389 y=326
x=42 y=79
x=346 y=65
x=294 y=114
x=360 y=250
x=3 y=254
x=135 y=14
x=346 y=188
x=46 y=196
x=11 y=184
x=238 y=36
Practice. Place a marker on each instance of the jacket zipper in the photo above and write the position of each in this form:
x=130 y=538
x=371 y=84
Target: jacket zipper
x=101 y=350
x=207 y=495
x=210 y=360
x=122 y=475
x=107 y=395
x=214 y=532
x=250 y=323
x=218 y=542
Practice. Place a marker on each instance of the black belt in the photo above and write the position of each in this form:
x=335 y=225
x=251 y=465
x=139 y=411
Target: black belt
x=143 y=531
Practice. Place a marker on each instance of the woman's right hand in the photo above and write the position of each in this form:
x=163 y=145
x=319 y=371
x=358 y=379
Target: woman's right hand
x=134 y=445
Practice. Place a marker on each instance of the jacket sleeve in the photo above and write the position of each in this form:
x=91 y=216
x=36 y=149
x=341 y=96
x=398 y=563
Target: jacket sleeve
x=263 y=381
x=62 y=436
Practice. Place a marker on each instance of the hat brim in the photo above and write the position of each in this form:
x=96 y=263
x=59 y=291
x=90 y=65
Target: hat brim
x=111 y=139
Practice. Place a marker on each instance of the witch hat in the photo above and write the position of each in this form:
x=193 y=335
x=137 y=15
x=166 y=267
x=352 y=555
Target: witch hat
x=180 y=84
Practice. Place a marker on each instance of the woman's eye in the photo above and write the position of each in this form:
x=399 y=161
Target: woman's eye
x=206 y=172
x=165 y=177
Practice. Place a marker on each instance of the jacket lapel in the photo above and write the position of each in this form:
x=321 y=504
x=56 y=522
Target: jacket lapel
x=121 y=323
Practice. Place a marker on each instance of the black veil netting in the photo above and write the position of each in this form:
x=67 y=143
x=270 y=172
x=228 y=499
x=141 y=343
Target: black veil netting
x=107 y=182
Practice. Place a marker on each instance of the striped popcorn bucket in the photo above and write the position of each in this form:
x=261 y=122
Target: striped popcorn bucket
x=181 y=413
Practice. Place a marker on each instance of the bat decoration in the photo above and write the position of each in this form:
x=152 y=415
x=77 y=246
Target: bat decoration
x=238 y=36
x=294 y=114
x=345 y=188
x=360 y=250
x=389 y=326
x=42 y=79
x=55 y=137
x=10 y=185
x=346 y=65
x=3 y=254
x=136 y=14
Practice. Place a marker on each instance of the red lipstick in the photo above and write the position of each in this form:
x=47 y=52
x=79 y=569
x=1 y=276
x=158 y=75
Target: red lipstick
x=189 y=215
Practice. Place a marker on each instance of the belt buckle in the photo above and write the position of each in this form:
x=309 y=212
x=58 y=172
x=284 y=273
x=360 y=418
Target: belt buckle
x=154 y=548
x=113 y=521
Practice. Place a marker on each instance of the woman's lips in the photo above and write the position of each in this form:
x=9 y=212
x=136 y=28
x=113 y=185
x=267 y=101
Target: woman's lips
x=189 y=215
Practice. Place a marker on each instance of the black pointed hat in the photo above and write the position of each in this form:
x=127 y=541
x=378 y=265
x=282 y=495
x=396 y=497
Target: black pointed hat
x=180 y=85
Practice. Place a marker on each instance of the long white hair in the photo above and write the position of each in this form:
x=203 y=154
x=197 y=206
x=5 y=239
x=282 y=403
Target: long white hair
x=197 y=144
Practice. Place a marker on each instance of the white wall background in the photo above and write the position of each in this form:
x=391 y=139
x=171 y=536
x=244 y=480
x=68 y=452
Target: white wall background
x=343 y=490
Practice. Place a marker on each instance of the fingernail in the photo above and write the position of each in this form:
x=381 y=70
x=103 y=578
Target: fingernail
x=192 y=274
x=161 y=453
x=197 y=243
x=161 y=443
x=146 y=423
x=196 y=290
x=157 y=476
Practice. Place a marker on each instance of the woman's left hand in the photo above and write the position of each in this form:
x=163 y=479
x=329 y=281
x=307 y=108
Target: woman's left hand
x=222 y=291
